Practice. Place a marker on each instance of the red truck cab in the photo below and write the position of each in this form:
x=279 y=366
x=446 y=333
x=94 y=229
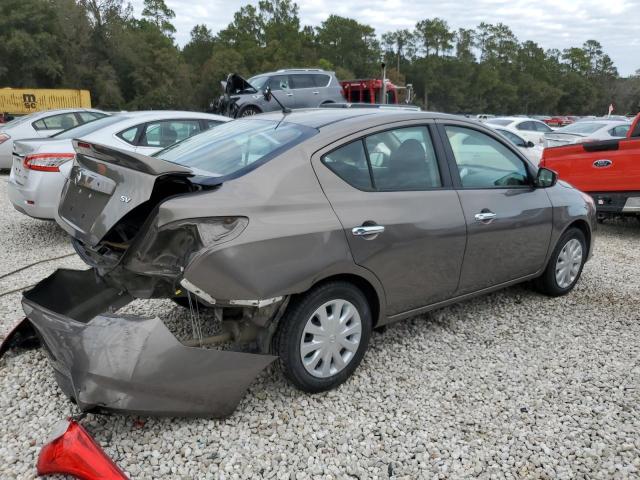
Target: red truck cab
x=368 y=91
x=608 y=170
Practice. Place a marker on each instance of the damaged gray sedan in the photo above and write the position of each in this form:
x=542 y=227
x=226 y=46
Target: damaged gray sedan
x=303 y=232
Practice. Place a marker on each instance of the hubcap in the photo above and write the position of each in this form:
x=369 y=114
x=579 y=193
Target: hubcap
x=568 y=263
x=330 y=338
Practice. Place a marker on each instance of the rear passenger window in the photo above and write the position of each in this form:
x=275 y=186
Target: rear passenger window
x=130 y=134
x=303 y=81
x=403 y=159
x=320 y=80
x=64 y=121
x=349 y=162
x=167 y=132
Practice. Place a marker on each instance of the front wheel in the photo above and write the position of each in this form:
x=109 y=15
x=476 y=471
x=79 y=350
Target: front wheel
x=323 y=336
x=249 y=111
x=565 y=266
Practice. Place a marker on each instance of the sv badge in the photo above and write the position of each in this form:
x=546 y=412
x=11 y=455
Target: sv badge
x=125 y=199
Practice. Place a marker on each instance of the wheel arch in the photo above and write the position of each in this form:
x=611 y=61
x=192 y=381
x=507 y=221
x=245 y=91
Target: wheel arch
x=373 y=296
x=584 y=227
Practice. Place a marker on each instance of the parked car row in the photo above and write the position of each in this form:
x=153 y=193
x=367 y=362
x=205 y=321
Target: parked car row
x=41 y=166
x=305 y=230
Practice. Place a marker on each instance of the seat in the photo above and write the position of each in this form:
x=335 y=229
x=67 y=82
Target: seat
x=408 y=167
x=66 y=123
x=168 y=135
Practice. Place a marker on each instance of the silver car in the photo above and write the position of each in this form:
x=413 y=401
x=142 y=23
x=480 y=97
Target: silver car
x=293 y=88
x=41 y=125
x=41 y=166
x=587 y=131
x=302 y=233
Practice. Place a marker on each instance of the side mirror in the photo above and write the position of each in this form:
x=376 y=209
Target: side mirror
x=530 y=144
x=546 y=178
x=266 y=93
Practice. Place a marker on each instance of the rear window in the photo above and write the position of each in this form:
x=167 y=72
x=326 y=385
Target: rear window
x=87 y=128
x=496 y=121
x=236 y=147
x=582 y=127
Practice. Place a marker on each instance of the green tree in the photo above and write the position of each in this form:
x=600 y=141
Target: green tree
x=157 y=12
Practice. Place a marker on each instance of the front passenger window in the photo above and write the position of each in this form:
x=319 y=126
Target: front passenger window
x=484 y=162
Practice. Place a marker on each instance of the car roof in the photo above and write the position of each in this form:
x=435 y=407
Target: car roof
x=159 y=114
x=515 y=119
x=58 y=111
x=322 y=117
x=294 y=71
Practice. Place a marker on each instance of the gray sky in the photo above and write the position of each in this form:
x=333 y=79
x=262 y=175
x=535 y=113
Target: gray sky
x=551 y=23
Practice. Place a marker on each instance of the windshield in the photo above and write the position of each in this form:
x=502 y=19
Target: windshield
x=90 y=127
x=582 y=127
x=236 y=146
x=497 y=121
x=258 y=82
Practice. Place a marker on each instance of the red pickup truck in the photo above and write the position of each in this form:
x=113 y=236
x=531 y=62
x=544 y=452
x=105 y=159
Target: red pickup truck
x=608 y=170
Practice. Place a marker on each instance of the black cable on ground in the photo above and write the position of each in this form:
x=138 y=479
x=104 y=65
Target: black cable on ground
x=5 y=275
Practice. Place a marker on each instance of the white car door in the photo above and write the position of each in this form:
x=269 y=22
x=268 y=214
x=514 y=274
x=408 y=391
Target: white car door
x=164 y=133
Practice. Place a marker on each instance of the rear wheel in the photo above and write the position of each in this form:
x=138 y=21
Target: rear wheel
x=565 y=266
x=323 y=336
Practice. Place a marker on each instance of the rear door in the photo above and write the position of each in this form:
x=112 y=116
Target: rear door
x=392 y=192
x=508 y=221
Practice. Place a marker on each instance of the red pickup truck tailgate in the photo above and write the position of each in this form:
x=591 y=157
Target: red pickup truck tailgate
x=609 y=165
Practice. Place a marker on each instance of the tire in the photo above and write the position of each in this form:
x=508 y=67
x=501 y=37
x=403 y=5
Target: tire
x=302 y=315
x=556 y=285
x=248 y=111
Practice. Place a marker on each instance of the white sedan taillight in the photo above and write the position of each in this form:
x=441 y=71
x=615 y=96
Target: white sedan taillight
x=47 y=162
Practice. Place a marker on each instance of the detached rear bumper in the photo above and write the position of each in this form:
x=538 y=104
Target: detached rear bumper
x=127 y=363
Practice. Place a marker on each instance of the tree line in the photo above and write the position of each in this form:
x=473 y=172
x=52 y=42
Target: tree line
x=134 y=63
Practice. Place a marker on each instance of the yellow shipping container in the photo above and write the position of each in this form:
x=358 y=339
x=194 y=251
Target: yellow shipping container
x=22 y=101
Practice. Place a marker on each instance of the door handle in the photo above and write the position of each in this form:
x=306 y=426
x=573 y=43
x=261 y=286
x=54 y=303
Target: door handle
x=316 y=93
x=484 y=216
x=289 y=94
x=367 y=230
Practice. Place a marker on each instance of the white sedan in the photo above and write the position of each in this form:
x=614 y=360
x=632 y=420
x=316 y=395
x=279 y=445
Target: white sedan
x=41 y=125
x=530 y=129
x=587 y=131
x=41 y=166
x=530 y=150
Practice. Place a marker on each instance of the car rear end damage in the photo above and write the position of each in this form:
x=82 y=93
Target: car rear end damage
x=149 y=228
x=120 y=362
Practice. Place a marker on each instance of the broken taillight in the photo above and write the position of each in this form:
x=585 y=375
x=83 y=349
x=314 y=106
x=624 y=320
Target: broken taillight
x=47 y=162
x=72 y=451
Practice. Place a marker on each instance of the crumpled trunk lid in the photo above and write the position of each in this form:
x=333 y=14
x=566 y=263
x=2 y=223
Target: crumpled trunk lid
x=106 y=184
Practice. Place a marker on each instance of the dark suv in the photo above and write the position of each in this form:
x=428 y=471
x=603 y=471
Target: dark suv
x=294 y=88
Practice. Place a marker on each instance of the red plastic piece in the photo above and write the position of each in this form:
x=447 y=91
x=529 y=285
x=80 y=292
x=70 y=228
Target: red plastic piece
x=76 y=453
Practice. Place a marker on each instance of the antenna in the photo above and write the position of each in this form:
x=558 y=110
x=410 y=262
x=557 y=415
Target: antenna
x=268 y=96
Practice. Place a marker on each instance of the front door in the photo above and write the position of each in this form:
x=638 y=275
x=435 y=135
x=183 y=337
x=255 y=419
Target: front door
x=282 y=89
x=401 y=217
x=508 y=221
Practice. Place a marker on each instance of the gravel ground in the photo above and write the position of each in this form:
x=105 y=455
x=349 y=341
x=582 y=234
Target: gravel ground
x=511 y=385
